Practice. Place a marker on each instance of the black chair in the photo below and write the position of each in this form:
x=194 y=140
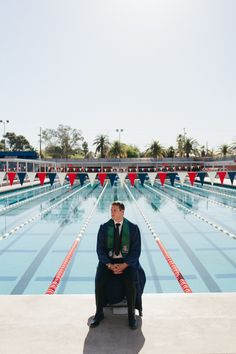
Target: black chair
x=115 y=291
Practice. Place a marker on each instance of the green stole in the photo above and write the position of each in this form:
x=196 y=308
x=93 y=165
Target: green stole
x=125 y=242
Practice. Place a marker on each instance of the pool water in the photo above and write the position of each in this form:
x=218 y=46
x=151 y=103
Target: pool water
x=41 y=224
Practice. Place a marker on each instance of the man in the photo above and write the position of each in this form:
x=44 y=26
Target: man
x=118 y=249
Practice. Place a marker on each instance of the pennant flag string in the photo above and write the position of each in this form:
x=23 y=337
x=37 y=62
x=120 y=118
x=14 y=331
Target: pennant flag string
x=142 y=177
x=172 y=177
x=152 y=177
x=82 y=178
x=231 y=176
x=202 y=176
x=71 y=177
x=41 y=176
x=92 y=177
x=31 y=176
x=61 y=176
x=182 y=176
x=21 y=176
x=222 y=175
x=51 y=177
x=162 y=176
x=132 y=177
x=211 y=175
x=11 y=177
x=192 y=176
x=112 y=177
x=122 y=176
x=2 y=175
x=102 y=177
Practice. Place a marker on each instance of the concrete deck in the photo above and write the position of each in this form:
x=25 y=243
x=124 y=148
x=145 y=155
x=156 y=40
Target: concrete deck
x=172 y=323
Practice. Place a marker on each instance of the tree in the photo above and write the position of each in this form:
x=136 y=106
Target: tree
x=233 y=146
x=85 y=151
x=85 y=148
x=132 y=151
x=117 y=150
x=2 y=144
x=170 y=152
x=224 y=150
x=17 y=142
x=202 y=151
x=54 y=151
x=191 y=146
x=64 y=139
x=180 y=145
x=155 y=150
x=102 y=145
x=186 y=146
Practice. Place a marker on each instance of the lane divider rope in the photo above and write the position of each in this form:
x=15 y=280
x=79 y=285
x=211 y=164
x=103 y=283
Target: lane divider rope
x=57 y=278
x=27 y=189
x=22 y=202
x=208 y=189
x=37 y=216
x=183 y=283
x=217 y=227
x=200 y=197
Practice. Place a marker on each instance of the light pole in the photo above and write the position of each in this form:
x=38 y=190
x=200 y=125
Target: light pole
x=4 y=122
x=119 y=131
x=40 y=143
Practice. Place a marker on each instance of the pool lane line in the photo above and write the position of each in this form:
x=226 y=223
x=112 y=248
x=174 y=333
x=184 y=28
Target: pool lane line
x=150 y=260
x=206 y=277
x=27 y=189
x=37 y=216
x=25 y=279
x=25 y=201
x=57 y=278
x=214 y=186
x=208 y=190
x=183 y=283
x=199 y=216
x=200 y=196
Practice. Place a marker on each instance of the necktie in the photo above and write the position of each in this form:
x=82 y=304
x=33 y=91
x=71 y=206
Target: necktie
x=117 y=240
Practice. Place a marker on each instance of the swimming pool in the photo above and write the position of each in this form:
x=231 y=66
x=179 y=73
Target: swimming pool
x=197 y=226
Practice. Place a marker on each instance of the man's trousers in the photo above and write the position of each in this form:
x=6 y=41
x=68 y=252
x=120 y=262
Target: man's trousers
x=104 y=277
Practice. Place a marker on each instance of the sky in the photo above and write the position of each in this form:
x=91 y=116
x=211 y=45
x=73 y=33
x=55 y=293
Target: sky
x=154 y=68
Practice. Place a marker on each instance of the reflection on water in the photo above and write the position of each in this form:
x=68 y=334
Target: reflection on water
x=200 y=251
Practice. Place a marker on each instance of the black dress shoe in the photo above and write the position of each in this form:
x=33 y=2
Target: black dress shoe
x=133 y=322
x=96 y=320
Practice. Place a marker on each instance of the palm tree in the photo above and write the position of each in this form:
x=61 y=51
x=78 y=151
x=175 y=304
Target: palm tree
x=224 y=150
x=2 y=145
x=132 y=151
x=181 y=140
x=170 y=152
x=117 y=150
x=102 y=145
x=202 y=151
x=233 y=146
x=155 y=150
x=85 y=149
x=191 y=146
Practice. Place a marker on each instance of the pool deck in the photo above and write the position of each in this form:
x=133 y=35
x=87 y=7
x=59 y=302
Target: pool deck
x=172 y=323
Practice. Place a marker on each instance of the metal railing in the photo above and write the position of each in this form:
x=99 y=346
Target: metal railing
x=126 y=164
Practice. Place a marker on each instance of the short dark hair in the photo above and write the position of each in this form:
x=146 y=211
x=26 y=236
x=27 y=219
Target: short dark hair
x=119 y=204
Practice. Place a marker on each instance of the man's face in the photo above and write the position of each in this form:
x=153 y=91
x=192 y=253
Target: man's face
x=116 y=214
